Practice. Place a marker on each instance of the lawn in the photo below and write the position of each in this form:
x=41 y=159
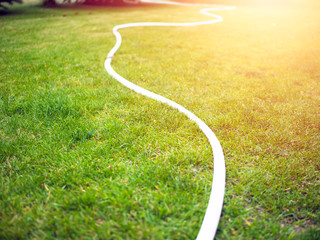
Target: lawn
x=82 y=157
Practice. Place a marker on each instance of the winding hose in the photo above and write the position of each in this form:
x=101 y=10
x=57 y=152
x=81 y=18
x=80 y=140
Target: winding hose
x=211 y=219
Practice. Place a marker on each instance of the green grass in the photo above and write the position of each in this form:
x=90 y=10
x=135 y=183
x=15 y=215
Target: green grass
x=82 y=157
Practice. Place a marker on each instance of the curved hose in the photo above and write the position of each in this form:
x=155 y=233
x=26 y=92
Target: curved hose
x=213 y=212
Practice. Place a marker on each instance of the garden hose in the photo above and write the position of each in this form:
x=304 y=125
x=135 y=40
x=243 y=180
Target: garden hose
x=211 y=219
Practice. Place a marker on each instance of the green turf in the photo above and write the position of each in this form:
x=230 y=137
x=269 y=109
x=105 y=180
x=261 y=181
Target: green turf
x=82 y=157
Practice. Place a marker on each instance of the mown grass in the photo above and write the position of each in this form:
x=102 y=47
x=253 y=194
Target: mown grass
x=83 y=157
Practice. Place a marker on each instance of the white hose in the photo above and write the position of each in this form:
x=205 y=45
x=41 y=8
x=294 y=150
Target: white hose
x=213 y=212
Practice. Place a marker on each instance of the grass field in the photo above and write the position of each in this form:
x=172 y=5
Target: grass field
x=82 y=157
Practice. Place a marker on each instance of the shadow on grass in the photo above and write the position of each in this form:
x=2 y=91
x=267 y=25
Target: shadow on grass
x=21 y=9
x=38 y=8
